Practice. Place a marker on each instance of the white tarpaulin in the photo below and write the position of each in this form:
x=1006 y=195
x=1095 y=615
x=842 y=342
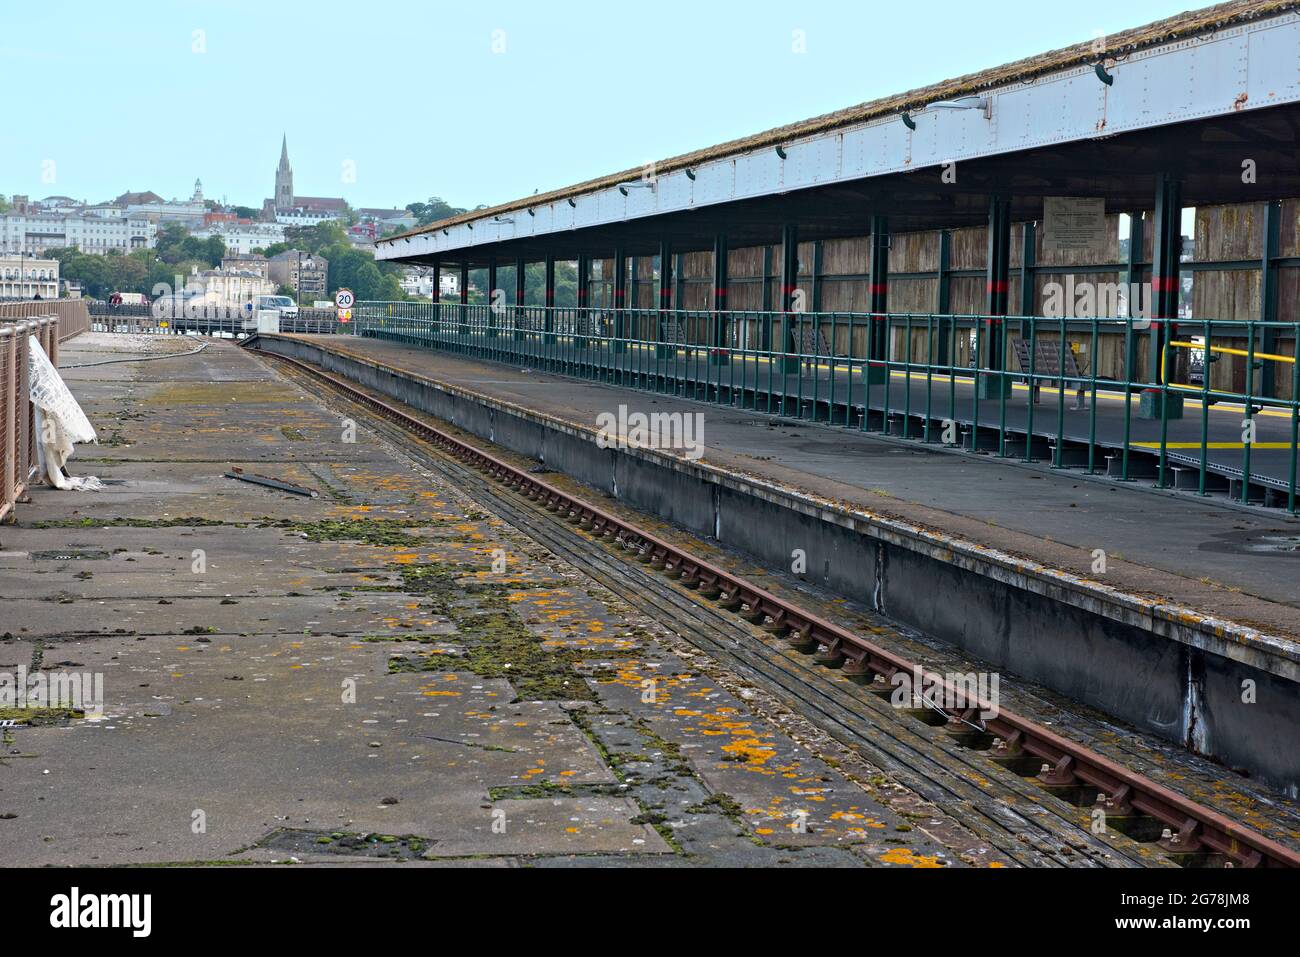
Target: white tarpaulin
x=60 y=423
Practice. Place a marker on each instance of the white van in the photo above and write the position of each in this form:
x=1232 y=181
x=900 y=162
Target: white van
x=287 y=308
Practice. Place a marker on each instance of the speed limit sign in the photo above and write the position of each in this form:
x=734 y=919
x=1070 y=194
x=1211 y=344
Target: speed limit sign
x=344 y=299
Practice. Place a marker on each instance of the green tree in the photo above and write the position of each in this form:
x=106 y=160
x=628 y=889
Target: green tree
x=434 y=210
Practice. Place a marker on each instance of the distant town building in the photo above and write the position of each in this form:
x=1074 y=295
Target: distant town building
x=58 y=204
x=243 y=237
x=288 y=209
x=387 y=220
x=22 y=277
x=314 y=282
x=228 y=288
x=151 y=206
x=419 y=283
x=362 y=236
x=32 y=233
x=247 y=262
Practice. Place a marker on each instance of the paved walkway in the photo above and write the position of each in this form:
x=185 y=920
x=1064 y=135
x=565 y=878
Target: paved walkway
x=1222 y=560
x=346 y=679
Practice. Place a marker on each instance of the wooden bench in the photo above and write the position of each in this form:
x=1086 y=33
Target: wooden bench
x=1047 y=358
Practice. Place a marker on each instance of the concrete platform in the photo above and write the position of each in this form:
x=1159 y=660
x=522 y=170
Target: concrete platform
x=329 y=680
x=1001 y=559
x=1228 y=562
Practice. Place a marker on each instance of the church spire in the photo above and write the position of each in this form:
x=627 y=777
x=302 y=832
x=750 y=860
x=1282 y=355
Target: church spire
x=284 y=178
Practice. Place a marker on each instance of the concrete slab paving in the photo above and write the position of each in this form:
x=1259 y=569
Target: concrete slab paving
x=342 y=679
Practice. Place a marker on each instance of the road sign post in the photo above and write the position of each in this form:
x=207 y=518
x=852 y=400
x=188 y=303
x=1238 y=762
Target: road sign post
x=344 y=300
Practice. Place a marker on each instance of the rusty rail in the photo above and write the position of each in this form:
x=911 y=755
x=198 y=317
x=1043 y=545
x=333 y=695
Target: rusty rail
x=1195 y=828
x=18 y=460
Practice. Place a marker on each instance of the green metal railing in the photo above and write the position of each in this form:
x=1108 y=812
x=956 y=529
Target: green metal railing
x=916 y=376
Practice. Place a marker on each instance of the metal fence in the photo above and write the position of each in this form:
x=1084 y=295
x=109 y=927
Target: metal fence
x=74 y=317
x=18 y=458
x=165 y=317
x=1016 y=387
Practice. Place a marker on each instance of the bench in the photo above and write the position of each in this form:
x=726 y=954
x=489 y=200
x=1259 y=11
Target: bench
x=1047 y=360
x=670 y=332
x=812 y=346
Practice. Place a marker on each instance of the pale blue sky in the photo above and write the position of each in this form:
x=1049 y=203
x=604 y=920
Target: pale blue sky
x=115 y=96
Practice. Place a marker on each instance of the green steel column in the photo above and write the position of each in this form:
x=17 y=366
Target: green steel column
x=548 y=322
x=1167 y=244
x=496 y=304
x=765 y=332
x=877 y=370
x=620 y=299
x=463 y=318
x=718 y=355
x=582 y=326
x=437 y=289
x=1028 y=264
x=1268 y=294
x=521 y=289
x=1133 y=280
x=997 y=289
x=665 y=298
x=943 y=297
x=789 y=362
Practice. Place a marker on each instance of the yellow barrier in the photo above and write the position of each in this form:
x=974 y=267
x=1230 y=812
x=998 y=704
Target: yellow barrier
x=1220 y=350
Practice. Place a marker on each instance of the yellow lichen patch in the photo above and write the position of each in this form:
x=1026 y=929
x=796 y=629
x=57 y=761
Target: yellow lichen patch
x=903 y=857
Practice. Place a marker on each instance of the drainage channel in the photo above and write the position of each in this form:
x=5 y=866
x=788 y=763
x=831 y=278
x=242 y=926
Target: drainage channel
x=1047 y=770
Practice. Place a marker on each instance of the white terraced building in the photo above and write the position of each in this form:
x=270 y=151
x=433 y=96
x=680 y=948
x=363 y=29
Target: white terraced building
x=33 y=233
x=243 y=238
x=23 y=277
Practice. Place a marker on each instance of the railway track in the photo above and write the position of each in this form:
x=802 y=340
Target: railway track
x=1012 y=782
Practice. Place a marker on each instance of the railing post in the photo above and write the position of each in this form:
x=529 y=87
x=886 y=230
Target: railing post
x=8 y=422
x=26 y=424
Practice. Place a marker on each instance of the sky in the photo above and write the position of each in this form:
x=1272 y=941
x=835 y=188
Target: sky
x=387 y=102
